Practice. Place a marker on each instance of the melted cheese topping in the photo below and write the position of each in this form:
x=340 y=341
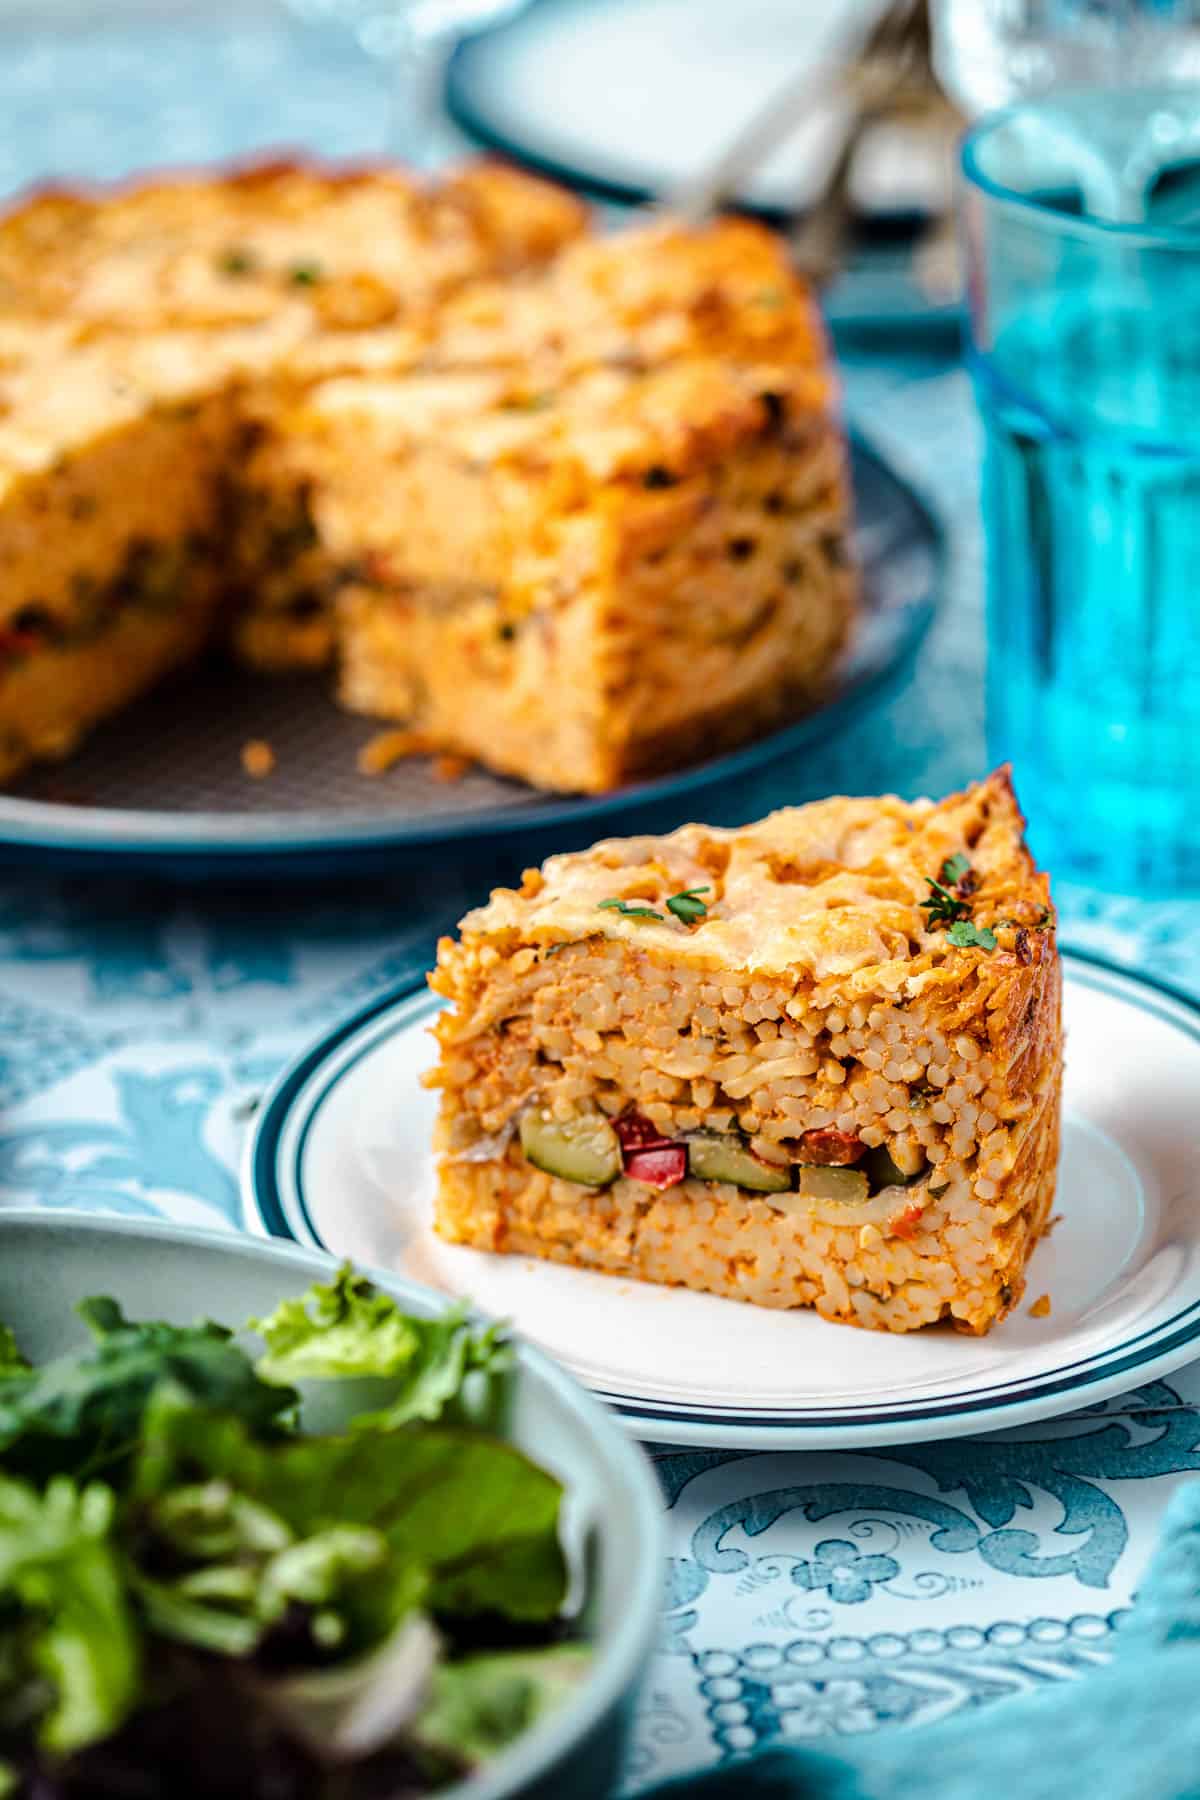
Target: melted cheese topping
x=830 y=890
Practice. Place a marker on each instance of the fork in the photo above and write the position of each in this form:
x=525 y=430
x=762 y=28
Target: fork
x=887 y=76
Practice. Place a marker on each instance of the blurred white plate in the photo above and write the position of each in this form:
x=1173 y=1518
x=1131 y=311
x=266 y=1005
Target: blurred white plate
x=628 y=99
x=340 y=1158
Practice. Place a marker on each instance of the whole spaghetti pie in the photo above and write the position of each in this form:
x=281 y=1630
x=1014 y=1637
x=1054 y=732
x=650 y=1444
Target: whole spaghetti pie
x=574 y=506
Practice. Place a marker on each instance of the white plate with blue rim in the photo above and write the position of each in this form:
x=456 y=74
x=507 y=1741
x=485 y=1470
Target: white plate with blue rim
x=340 y=1158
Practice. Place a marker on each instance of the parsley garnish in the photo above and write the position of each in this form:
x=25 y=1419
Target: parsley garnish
x=942 y=906
x=304 y=274
x=687 y=908
x=771 y=296
x=947 y=905
x=236 y=261
x=629 y=912
x=529 y=402
x=967 y=935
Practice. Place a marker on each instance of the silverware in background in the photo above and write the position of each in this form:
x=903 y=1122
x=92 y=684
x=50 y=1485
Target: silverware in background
x=886 y=78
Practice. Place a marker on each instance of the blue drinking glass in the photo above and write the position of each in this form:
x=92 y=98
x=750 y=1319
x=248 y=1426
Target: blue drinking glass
x=1085 y=350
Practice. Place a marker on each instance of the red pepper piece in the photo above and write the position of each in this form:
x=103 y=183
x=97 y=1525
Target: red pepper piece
x=905 y=1223
x=379 y=568
x=635 y=1132
x=662 y=1167
x=835 y=1149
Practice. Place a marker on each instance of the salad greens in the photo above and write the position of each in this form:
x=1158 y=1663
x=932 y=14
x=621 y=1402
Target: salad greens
x=82 y=1413
x=191 y=1581
x=78 y=1664
x=348 y=1328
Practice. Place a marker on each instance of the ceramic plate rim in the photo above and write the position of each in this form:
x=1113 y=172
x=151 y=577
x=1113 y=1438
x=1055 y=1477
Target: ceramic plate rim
x=462 y=90
x=139 y=835
x=1152 y=1351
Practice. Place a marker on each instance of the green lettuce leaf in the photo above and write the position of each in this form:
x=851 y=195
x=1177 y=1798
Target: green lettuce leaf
x=11 y=1360
x=347 y=1328
x=82 y=1413
x=60 y=1570
x=472 y=1510
x=481 y=1704
x=242 y=1571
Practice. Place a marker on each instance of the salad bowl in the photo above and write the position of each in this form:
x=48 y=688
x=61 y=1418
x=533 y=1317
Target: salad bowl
x=609 y=1525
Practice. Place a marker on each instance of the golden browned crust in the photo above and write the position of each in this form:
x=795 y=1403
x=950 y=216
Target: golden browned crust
x=212 y=247
x=814 y=996
x=831 y=892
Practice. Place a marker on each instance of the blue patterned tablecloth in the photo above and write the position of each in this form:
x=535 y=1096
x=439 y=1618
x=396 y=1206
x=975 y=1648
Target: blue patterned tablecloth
x=809 y=1596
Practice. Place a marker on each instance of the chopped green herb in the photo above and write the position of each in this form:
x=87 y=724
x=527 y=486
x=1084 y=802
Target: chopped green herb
x=506 y=632
x=966 y=935
x=657 y=476
x=304 y=274
x=942 y=906
x=688 y=907
x=629 y=912
x=771 y=296
x=953 y=869
x=236 y=261
x=530 y=402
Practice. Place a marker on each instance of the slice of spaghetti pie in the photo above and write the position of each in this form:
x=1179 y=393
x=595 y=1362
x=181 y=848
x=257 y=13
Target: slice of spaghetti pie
x=812 y=1062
